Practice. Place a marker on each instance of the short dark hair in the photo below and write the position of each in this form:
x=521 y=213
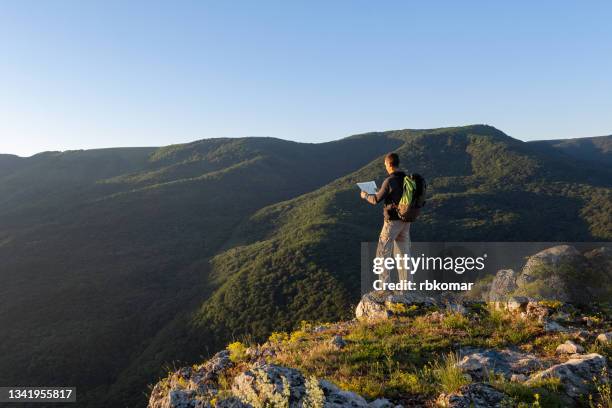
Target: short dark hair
x=392 y=159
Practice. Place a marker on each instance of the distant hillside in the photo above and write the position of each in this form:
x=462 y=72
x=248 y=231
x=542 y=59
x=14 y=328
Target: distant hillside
x=596 y=149
x=8 y=163
x=138 y=257
x=101 y=249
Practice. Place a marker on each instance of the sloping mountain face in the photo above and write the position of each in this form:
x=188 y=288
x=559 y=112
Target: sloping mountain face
x=594 y=149
x=129 y=259
x=99 y=250
x=483 y=186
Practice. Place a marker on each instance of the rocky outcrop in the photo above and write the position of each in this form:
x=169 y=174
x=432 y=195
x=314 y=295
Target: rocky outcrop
x=270 y=385
x=378 y=305
x=190 y=387
x=475 y=395
x=480 y=363
x=558 y=273
x=569 y=347
x=549 y=274
x=260 y=376
x=372 y=307
x=576 y=374
x=274 y=386
x=553 y=256
x=260 y=385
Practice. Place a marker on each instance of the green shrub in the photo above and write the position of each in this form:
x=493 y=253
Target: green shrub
x=237 y=351
x=278 y=337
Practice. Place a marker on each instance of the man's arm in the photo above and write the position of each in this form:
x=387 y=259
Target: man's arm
x=380 y=194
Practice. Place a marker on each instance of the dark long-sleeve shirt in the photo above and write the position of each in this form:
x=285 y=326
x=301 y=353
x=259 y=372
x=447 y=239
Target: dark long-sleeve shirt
x=391 y=193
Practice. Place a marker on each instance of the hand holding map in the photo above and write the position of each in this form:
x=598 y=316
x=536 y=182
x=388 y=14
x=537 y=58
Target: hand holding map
x=369 y=187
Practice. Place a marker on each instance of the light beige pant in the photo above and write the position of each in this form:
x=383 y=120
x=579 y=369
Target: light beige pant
x=394 y=240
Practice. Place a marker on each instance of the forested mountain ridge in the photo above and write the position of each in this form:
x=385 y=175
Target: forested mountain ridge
x=595 y=149
x=100 y=249
x=150 y=260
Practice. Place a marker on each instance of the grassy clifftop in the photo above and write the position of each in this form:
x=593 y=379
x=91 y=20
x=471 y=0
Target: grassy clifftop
x=425 y=357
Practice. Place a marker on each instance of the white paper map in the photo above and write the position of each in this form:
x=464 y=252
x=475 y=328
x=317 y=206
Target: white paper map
x=368 y=186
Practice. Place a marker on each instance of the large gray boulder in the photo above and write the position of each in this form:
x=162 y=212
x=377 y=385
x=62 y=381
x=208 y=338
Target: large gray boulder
x=270 y=385
x=576 y=374
x=553 y=256
x=480 y=363
x=372 y=307
x=260 y=385
x=378 y=305
x=559 y=273
x=553 y=274
x=569 y=347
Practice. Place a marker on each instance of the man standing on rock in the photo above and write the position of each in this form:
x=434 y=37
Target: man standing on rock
x=395 y=233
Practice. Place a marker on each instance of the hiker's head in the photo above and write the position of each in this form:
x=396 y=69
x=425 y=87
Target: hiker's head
x=391 y=162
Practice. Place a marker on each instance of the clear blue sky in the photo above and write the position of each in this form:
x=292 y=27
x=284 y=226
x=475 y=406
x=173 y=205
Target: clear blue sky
x=85 y=74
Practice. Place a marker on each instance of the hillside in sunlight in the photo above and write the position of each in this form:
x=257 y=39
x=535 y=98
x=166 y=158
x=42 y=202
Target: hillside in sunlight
x=101 y=249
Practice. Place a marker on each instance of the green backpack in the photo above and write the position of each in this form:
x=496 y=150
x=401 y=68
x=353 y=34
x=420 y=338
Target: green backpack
x=413 y=197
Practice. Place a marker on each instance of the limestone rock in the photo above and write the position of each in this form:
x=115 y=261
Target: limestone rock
x=475 y=395
x=554 y=256
x=337 y=398
x=605 y=338
x=372 y=307
x=479 y=363
x=569 y=347
x=272 y=385
x=560 y=273
x=552 y=326
x=190 y=387
x=378 y=305
x=575 y=375
x=550 y=274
